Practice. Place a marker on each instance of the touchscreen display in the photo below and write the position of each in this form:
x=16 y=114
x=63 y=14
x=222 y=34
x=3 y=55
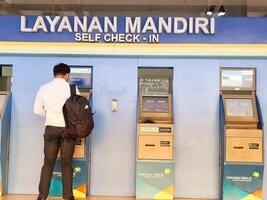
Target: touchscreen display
x=239 y=107
x=155 y=104
x=81 y=77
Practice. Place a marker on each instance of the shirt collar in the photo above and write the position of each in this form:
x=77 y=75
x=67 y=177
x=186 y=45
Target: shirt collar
x=60 y=80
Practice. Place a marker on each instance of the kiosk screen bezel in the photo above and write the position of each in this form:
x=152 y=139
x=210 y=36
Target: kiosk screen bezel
x=155 y=116
x=241 y=119
x=237 y=88
x=241 y=112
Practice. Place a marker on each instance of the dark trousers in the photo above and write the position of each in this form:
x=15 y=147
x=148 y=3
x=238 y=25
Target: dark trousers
x=53 y=141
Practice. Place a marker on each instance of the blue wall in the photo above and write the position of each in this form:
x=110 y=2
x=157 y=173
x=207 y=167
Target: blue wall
x=196 y=93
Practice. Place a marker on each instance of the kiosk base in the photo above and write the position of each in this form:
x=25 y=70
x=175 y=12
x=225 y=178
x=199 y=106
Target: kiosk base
x=155 y=180
x=242 y=182
x=80 y=180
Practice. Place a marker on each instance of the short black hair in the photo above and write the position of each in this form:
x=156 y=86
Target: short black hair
x=61 y=68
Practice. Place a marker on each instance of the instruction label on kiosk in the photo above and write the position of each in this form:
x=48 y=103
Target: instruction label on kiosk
x=151 y=129
x=151 y=86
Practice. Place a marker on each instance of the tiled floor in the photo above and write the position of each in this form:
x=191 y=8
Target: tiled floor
x=33 y=197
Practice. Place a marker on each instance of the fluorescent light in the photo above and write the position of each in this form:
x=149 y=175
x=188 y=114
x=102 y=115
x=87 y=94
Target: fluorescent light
x=221 y=11
x=211 y=10
x=209 y=13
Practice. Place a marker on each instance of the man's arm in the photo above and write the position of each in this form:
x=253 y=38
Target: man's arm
x=38 y=107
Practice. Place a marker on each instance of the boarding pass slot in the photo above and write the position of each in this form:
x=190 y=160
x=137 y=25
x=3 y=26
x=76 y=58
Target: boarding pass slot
x=150 y=145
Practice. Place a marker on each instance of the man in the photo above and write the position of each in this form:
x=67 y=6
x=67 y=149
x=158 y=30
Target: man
x=49 y=102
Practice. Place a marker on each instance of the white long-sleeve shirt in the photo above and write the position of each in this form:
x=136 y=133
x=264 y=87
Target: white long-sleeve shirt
x=50 y=99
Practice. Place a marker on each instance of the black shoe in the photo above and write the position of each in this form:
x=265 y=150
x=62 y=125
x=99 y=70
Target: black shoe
x=40 y=198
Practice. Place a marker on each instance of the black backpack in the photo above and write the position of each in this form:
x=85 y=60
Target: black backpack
x=78 y=115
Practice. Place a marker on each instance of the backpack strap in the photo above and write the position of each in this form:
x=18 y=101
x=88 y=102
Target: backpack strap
x=72 y=89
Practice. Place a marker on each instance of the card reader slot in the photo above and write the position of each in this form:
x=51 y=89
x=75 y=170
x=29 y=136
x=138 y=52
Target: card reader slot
x=150 y=145
x=238 y=147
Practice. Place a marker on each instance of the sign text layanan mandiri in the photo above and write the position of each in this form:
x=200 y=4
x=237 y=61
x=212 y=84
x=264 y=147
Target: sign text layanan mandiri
x=118 y=29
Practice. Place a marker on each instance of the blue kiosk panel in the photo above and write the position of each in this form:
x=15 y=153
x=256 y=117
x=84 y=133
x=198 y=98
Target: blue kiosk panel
x=5 y=118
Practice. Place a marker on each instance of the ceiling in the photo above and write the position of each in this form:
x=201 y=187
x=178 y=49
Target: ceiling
x=132 y=7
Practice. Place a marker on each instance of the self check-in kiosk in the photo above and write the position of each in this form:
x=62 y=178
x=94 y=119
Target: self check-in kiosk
x=155 y=135
x=241 y=135
x=5 y=118
x=81 y=76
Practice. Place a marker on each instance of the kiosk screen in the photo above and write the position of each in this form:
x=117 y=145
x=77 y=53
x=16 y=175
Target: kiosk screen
x=239 y=107
x=155 y=104
x=81 y=77
x=237 y=78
